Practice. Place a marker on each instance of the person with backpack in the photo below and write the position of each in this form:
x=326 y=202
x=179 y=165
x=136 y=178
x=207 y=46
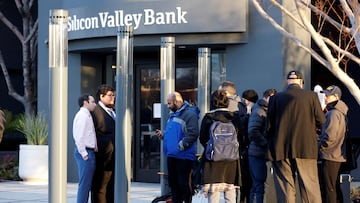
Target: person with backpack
x=221 y=173
x=179 y=146
x=331 y=144
x=258 y=147
x=238 y=106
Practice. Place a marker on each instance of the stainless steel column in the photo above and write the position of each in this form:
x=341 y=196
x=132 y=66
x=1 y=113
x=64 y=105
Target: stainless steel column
x=58 y=66
x=123 y=124
x=204 y=73
x=167 y=84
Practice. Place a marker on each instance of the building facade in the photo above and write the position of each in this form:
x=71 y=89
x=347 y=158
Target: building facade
x=245 y=49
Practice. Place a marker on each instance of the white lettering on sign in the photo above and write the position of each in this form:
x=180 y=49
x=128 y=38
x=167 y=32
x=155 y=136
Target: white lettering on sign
x=162 y=18
x=120 y=18
x=83 y=23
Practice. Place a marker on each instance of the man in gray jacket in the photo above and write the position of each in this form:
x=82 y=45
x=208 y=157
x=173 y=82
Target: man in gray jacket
x=332 y=149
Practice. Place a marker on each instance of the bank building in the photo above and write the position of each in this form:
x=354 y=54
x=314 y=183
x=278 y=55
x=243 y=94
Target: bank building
x=242 y=47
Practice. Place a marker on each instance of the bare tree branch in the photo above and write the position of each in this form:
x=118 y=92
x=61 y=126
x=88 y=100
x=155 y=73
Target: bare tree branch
x=31 y=3
x=347 y=10
x=333 y=64
x=19 y=6
x=27 y=36
x=333 y=50
x=11 y=89
x=288 y=34
x=277 y=4
x=11 y=26
x=326 y=17
x=355 y=32
x=33 y=32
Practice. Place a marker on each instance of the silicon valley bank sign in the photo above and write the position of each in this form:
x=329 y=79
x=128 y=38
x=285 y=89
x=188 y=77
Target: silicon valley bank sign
x=187 y=18
x=119 y=18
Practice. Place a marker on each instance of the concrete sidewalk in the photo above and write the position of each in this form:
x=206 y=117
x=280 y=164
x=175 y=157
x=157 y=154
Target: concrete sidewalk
x=22 y=192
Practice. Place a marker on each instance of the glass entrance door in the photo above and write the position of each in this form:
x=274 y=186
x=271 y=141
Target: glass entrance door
x=147 y=144
x=147 y=149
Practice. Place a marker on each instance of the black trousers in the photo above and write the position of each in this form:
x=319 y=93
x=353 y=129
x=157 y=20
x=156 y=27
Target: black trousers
x=102 y=189
x=329 y=182
x=245 y=179
x=179 y=177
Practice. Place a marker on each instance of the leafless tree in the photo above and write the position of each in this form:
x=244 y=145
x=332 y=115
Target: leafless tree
x=335 y=32
x=27 y=35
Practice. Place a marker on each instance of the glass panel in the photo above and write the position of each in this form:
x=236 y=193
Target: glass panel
x=218 y=69
x=186 y=82
x=149 y=142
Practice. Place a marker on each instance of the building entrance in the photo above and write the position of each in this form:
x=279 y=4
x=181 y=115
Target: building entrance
x=147 y=144
x=146 y=147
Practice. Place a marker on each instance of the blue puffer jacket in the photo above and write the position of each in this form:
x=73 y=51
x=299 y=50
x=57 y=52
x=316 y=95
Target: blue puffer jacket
x=182 y=126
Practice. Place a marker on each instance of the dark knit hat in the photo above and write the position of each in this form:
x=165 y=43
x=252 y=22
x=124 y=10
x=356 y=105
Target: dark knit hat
x=250 y=95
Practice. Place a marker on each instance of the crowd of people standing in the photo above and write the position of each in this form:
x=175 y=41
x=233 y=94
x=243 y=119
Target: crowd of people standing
x=289 y=129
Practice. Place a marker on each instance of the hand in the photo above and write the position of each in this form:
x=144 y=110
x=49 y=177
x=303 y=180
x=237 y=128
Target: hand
x=181 y=146
x=86 y=157
x=159 y=133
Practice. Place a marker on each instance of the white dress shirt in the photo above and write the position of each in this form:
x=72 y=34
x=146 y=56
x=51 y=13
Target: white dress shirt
x=108 y=110
x=84 y=131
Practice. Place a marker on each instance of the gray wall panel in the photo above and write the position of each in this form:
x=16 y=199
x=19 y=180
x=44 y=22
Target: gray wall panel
x=258 y=63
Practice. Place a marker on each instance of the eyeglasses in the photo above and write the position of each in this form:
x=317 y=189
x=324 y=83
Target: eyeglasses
x=110 y=95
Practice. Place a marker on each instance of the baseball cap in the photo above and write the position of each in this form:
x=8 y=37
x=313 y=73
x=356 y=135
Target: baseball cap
x=332 y=90
x=294 y=74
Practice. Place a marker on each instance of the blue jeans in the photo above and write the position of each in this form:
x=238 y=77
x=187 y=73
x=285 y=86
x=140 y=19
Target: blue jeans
x=258 y=172
x=86 y=172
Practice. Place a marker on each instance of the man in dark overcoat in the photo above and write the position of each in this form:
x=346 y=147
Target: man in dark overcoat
x=293 y=116
x=102 y=190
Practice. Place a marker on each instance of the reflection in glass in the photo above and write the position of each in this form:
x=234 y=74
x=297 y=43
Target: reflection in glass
x=149 y=142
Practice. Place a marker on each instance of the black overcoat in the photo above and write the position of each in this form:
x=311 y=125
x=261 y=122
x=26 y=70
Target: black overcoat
x=293 y=116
